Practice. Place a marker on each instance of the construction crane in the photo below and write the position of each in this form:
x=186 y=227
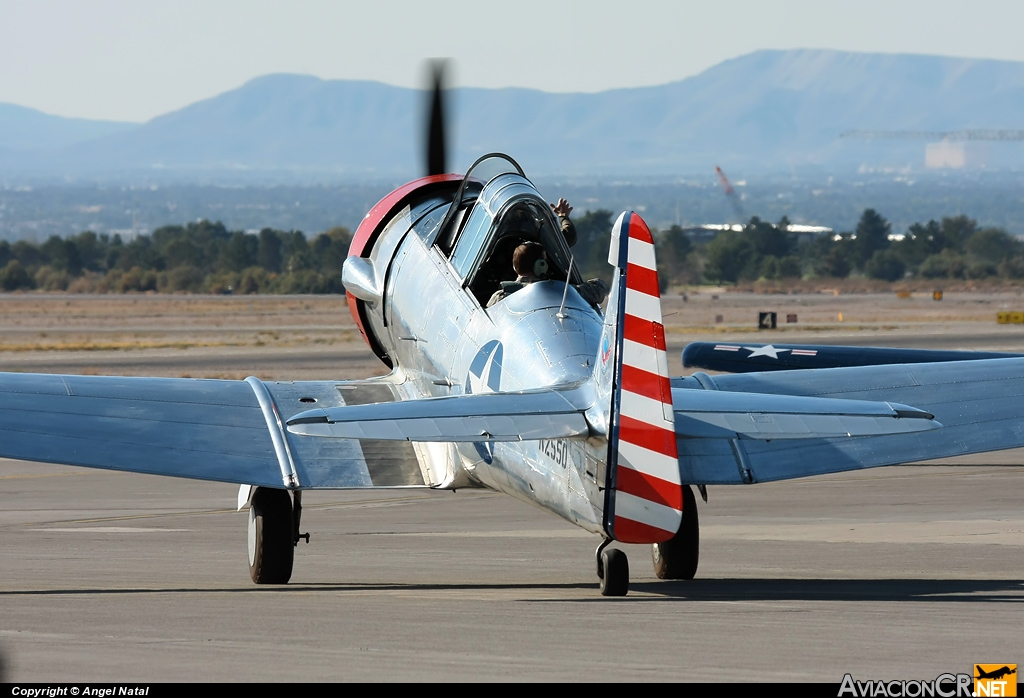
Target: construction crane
x=730 y=194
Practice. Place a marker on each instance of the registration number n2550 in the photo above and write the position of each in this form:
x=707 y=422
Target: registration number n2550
x=558 y=451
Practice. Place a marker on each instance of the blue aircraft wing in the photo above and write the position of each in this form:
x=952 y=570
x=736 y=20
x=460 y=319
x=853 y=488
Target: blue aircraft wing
x=742 y=357
x=227 y=431
x=978 y=403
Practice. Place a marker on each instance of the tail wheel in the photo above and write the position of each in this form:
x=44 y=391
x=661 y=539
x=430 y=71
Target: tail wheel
x=677 y=557
x=271 y=538
x=615 y=580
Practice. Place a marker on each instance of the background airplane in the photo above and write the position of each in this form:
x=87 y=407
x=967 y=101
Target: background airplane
x=543 y=396
x=733 y=357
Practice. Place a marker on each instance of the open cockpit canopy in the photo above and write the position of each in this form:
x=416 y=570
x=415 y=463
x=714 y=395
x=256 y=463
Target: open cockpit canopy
x=495 y=210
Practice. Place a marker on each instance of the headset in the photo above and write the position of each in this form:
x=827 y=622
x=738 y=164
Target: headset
x=540 y=265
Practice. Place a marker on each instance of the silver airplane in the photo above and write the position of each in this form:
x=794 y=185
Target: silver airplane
x=543 y=395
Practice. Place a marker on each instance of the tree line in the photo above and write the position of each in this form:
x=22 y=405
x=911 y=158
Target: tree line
x=952 y=248
x=205 y=257
x=201 y=257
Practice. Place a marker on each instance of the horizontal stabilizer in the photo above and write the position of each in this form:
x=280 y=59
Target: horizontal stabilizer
x=732 y=357
x=726 y=415
x=520 y=416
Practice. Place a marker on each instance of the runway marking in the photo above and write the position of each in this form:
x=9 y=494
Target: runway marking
x=213 y=512
x=133 y=517
x=39 y=475
x=112 y=529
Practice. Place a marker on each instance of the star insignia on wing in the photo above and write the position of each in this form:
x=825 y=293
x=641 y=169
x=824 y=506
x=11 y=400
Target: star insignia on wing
x=766 y=350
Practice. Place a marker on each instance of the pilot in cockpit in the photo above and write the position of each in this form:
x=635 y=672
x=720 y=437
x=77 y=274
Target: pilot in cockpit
x=523 y=226
x=530 y=262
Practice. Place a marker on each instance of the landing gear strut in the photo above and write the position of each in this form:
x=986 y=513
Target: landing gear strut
x=272 y=536
x=612 y=570
x=677 y=557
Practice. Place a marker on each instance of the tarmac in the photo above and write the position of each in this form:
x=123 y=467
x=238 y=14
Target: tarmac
x=895 y=573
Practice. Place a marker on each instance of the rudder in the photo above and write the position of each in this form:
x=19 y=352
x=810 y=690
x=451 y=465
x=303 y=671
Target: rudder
x=643 y=495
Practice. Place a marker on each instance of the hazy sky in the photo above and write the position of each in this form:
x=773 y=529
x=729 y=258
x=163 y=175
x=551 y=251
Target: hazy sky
x=135 y=59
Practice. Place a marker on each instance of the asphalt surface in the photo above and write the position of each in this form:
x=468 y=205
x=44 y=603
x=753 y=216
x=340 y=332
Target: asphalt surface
x=895 y=573
x=350 y=361
x=905 y=572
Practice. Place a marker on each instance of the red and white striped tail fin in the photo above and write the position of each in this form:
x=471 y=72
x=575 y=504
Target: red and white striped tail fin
x=645 y=502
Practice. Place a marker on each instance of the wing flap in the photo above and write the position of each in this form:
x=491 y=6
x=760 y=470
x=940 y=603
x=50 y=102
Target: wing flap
x=332 y=463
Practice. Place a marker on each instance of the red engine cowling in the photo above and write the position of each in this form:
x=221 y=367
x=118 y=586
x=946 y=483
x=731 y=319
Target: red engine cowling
x=368 y=232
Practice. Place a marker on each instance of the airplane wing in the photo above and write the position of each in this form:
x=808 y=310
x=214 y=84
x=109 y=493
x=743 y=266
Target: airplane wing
x=735 y=357
x=977 y=403
x=228 y=431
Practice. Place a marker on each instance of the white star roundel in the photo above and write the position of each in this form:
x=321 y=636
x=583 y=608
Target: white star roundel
x=766 y=350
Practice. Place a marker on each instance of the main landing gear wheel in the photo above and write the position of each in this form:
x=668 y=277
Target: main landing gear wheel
x=677 y=557
x=271 y=536
x=615 y=568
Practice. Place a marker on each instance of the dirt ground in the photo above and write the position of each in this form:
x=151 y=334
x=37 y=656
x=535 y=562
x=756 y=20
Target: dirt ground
x=299 y=337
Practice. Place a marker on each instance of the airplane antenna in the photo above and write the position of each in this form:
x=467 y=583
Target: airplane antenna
x=561 y=315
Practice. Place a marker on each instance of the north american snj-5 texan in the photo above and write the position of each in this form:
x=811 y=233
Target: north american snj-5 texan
x=541 y=395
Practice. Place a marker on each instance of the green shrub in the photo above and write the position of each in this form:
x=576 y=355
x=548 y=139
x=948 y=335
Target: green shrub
x=14 y=277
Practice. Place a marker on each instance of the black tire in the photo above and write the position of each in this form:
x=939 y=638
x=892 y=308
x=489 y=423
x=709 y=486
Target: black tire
x=615 y=581
x=677 y=557
x=271 y=539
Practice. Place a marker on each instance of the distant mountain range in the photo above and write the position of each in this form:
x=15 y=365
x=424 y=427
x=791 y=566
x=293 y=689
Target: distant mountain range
x=769 y=111
x=27 y=130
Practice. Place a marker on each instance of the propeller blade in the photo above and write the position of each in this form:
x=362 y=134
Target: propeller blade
x=436 y=160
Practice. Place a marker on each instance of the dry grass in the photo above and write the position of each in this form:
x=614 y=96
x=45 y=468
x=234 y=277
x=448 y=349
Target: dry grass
x=863 y=285
x=313 y=337
x=37 y=322
x=110 y=346
x=271 y=313
x=177 y=335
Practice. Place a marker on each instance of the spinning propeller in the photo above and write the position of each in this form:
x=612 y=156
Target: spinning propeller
x=436 y=156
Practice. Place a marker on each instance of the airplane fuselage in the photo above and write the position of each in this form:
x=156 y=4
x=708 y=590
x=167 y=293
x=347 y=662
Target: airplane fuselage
x=444 y=343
